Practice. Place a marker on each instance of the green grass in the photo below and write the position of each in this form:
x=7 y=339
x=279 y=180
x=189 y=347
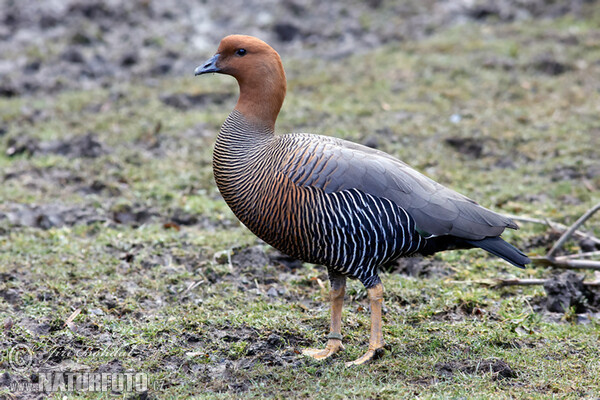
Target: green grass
x=162 y=298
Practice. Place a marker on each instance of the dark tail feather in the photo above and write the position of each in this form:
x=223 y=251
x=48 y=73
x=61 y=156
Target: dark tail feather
x=498 y=247
x=495 y=245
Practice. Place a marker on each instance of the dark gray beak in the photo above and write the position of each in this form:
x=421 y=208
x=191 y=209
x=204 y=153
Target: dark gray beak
x=209 y=66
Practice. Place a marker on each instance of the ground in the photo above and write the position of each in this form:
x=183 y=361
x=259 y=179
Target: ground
x=117 y=253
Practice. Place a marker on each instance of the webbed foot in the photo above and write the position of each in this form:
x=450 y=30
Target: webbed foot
x=370 y=355
x=333 y=346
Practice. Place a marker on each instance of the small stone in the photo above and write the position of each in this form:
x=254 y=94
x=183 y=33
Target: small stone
x=455 y=118
x=222 y=257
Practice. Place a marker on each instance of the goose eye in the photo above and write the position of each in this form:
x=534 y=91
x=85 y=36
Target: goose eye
x=241 y=52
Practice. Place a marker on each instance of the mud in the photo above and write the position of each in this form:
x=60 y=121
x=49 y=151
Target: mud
x=498 y=369
x=418 y=267
x=95 y=43
x=184 y=101
x=567 y=291
x=471 y=147
x=78 y=146
x=46 y=216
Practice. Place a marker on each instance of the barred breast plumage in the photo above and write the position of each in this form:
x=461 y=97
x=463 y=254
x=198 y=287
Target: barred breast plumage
x=351 y=231
x=330 y=201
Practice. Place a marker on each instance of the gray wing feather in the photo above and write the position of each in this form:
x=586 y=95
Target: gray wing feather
x=338 y=165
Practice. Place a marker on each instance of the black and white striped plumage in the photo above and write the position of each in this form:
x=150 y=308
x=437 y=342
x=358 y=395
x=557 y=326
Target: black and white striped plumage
x=300 y=194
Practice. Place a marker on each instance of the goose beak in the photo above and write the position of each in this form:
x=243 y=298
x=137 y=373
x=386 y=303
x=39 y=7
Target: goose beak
x=209 y=66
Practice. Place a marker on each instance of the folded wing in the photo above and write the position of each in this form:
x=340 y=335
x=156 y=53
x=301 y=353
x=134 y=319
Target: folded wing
x=334 y=165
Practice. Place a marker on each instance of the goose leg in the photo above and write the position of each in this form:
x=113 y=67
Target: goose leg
x=334 y=343
x=376 y=341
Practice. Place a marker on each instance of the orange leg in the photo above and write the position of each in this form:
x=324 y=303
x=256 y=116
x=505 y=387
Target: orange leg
x=376 y=341
x=334 y=343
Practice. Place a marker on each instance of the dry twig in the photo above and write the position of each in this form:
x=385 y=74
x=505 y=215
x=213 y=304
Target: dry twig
x=500 y=282
x=555 y=226
x=571 y=261
x=565 y=236
x=566 y=263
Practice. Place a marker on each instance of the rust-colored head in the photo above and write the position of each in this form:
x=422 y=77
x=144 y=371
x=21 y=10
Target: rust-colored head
x=259 y=72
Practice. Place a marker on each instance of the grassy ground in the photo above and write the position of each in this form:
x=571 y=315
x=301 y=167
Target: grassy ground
x=160 y=291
